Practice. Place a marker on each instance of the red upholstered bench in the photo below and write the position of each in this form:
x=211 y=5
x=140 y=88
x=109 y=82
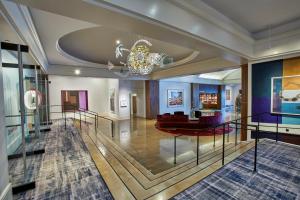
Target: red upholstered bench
x=179 y=120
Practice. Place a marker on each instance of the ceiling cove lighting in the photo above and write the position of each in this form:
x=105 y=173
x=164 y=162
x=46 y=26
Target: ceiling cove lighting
x=139 y=59
x=77 y=71
x=220 y=75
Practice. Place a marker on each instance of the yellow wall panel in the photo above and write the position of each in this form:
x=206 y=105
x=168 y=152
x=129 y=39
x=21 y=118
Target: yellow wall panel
x=291 y=67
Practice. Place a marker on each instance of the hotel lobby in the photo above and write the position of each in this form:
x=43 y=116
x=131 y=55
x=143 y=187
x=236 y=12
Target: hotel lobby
x=136 y=99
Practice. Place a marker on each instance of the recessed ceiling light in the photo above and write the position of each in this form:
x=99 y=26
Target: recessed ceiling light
x=77 y=71
x=118 y=41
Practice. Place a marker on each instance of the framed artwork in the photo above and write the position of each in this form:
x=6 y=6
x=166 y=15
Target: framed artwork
x=123 y=103
x=175 y=98
x=74 y=99
x=285 y=95
x=112 y=95
x=228 y=95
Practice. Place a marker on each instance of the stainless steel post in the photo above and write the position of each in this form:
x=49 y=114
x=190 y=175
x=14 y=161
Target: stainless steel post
x=255 y=150
x=228 y=132
x=223 y=150
x=65 y=121
x=36 y=111
x=277 y=122
x=214 y=136
x=236 y=131
x=46 y=101
x=22 y=108
x=174 y=149
x=112 y=129
x=96 y=124
x=197 y=149
x=80 y=119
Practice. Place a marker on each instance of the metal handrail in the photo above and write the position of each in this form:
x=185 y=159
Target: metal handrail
x=236 y=123
x=96 y=119
x=86 y=113
x=95 y=113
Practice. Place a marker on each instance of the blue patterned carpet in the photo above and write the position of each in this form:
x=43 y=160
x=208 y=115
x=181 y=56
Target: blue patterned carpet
x=66 y=170
x=278 y=176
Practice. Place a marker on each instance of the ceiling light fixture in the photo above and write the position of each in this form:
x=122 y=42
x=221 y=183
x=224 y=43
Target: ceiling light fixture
x=140 y=60
x=77 y=71
x=118 y=42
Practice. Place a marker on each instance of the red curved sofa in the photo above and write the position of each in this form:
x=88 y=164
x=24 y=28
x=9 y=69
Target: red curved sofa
x=180 y=120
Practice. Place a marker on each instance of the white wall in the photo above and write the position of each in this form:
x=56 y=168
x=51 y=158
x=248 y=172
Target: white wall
x=113 y=84
x=138 y=88
x=98 y=94
x=126 y=89
x=164 y=86
x=124 y=95
x=96 y=87
x=234 y=91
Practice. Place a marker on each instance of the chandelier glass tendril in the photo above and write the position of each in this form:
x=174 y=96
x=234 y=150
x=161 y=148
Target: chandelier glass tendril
x=140 y=60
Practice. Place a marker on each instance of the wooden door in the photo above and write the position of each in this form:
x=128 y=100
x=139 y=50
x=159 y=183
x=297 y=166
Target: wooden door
x=134 y=105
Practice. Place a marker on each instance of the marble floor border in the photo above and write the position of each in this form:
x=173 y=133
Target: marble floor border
x=138 y=192
x=152 y=176
x=185 y=166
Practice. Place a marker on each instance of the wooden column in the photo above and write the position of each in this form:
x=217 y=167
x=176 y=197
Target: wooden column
x=195 y=91
x=221 y=97
x=152 y=99
x=244 y=103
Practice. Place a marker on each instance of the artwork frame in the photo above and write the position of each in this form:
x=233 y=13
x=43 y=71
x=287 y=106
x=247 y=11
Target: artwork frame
x=228 y=94
x=285 y=95
x=123 y=103
x=112 y=102
x=175 y=98
x=74 y=99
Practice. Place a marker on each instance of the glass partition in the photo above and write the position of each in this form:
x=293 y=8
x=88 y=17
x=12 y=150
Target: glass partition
x=22 y=85
x=11 y=103
x=44 y=107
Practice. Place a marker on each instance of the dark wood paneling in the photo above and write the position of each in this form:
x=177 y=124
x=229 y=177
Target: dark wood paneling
x=221 y=97
x=283 y=137
x=244 y=103
x=152 y=99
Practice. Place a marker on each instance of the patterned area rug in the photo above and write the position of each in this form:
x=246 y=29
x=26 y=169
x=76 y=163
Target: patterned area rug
x=278 y=176
x=66 y=170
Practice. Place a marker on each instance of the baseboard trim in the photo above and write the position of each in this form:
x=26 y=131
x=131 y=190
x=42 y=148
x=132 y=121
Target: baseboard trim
x=23 y=187
x=6 y=193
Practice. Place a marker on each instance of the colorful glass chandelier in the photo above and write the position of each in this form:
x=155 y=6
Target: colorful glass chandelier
x=140 y=60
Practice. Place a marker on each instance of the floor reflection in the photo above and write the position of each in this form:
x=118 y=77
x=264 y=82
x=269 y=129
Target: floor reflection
x=154 y=149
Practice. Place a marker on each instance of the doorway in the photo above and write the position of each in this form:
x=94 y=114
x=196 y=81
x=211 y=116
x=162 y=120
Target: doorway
x=133 y=105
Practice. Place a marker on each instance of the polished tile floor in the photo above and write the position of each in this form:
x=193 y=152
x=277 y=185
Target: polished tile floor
x=137 y=160
x=154 y=149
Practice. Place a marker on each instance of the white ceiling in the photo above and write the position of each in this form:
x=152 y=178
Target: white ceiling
x=98 y=45
x=69 y=41
x=231 y=76
x=258 y=15
x=82 y=33
x=219 y=75
x=8 y=34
